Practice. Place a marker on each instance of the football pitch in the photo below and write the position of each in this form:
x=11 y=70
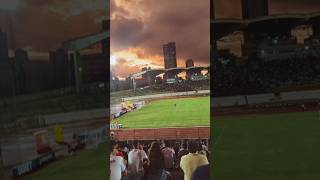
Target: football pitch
x=88 y=164
x=178 y=112
x=277 y=146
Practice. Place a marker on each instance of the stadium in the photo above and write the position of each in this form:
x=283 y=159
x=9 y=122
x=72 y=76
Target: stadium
x=169 y=107
x=265 y=103
x=171 y=119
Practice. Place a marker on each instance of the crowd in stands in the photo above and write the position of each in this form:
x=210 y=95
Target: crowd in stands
x=186 y=85
x=257 y=76
x=159 y=160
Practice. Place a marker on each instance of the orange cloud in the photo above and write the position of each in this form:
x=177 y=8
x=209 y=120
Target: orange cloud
x=139 y=28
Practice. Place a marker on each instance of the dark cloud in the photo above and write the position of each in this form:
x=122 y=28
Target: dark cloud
x=232 y=8
x=294 y=6
x=42 y=25
x=38 y=2
x=185 y=22
x=228 y=8
x=126 y=32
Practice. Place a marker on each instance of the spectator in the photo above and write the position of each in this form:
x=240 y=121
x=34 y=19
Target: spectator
x=183 y=151
x=117 y=164
x=120 y=152
x=190 y=162
x=155 y=170
x=75 y=144
x=202 y=173
x=169 y=155
x=135 y=161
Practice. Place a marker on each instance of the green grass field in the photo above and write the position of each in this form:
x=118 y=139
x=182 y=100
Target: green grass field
x=262 y=147
x=88 y=164
x=188 y=112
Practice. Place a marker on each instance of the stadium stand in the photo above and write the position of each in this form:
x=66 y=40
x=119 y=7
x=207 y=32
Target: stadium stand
x=255 y=76
x=150 y=157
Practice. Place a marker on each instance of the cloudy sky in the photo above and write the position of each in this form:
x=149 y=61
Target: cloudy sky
x=41 y=25
x=223 y=9
x=139 y=28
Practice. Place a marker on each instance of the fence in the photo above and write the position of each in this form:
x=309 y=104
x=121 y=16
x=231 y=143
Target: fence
x=162 y=133
x=75 y=116
x=188 y=93
x=93 y=138
x=264 y=98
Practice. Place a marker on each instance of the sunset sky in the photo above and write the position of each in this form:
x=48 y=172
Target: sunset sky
x=139 y=28
x=41 y=25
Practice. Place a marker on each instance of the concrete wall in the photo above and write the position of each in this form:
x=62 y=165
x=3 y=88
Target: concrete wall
x=264 y=98
x=188 y=93
x=76 y=116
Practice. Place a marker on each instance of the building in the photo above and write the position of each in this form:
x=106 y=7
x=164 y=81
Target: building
x=105 y=43
x=189 y=63
x=94 y=68
x=170 y=57
x=4 y=52
x=254 y=8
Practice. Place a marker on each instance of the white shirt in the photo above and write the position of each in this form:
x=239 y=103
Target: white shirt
x=117 y=166
x=135 y=157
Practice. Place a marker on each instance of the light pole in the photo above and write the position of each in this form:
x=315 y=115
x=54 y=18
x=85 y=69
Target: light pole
x=1 y=164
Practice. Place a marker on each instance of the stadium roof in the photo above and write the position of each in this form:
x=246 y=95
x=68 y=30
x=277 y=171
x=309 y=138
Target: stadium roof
x=278 y=23
x=314 y=15
x=160 y=71
x=314 y=18
x=224 y=27
x=85 y=41
x=197 y=67
x=151 y=71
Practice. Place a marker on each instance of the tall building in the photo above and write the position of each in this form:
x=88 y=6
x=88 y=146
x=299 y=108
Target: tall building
x=189 y=63
x=254 y=8
x=4 y=54
x=105 y=43
x=170 y=57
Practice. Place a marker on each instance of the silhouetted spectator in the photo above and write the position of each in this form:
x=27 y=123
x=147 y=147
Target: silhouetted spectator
x=202 y=173
x=169 y=155
x=155 y=170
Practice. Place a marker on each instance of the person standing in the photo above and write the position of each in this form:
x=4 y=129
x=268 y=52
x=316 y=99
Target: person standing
x=155 y=169
x=117 y=163
x=190 y=162
x=135 y=161
x=169 y=156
